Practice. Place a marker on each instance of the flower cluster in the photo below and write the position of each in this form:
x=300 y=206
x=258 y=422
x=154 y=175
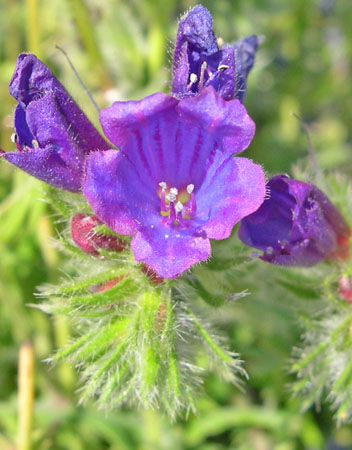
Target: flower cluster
x=174 y=182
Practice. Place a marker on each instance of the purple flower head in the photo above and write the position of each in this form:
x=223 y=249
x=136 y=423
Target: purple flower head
x=174 y=183
x=53 y=136
x=296 y=226
x=198 y=61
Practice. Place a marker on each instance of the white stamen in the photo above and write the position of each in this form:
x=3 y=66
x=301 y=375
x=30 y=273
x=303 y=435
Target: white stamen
x=193 y=78
x=190 y=188
x=13 y=138
x=220 y=41
x=174 y=191
x=223 y=67
x=178 y=207
x=171 y=197
x=203 y=68
x=35 y=143
x=163 y=185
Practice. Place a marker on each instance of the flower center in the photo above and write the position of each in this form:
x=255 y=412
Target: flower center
x=177 y=205
x=206 y=76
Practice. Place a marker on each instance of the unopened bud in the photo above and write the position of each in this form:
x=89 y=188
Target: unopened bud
x=151 y=274
x=83 y=234
x=345 y=289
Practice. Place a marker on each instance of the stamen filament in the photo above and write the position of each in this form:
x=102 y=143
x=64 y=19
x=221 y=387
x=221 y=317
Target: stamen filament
x=163 y=206
x=192 y=80
x=193 y=205
x=19 y=148
x=201 y=78
x=172 y=212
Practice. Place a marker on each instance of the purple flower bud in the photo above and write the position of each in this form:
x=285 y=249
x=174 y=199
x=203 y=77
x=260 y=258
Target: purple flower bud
x=296 y=226
x=198 y=61
x=84 y=235
x=53 y=136
x=245 y=51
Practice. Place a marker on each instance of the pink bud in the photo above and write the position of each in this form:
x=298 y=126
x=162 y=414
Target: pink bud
x=151 y=274
x=345 y=289
x=83 y=234
x=109 y=285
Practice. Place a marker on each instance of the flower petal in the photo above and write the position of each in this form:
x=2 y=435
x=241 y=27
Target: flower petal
x=245 y=51
x=47 y=165
x=32 y=79
x=225 y=80
x=168 y=252
x=24 y=135
x=233 y=189
x=56 y=119
x=227 y=122
x=116 y=193
x=169 y=140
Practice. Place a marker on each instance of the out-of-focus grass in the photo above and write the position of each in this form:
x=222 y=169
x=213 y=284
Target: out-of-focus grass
x=121 y=50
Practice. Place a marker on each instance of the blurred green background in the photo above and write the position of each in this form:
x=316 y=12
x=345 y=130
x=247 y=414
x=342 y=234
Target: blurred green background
x=122 y=50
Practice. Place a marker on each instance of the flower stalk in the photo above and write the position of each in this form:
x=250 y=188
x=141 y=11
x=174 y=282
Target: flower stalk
x=25 y=396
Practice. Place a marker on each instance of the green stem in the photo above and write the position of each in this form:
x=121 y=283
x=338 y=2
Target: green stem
x=33 y=27
x=25 y=396
x=311 y=356
x=218 y=351
x=87 y=35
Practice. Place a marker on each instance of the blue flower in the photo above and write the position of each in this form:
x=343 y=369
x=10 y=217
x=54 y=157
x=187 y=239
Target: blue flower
x=174 y=183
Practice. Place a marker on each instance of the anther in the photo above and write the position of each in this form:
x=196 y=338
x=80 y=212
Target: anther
x=178 y=207
x=190 y=188
x=193 y=78
x=172 y=212
x=35 y=143
x=13 y=138
x=193 y=204
x=171 y=197
x=163 y=185
x=220 y=41
x=223 y=67
x=174 y=191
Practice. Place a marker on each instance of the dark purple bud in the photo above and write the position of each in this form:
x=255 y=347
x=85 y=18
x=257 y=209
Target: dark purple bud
x=196 y=29
x=84 y=235
x=245 y=51
x=296 y=226
x=53 y=136
x=198 y=61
